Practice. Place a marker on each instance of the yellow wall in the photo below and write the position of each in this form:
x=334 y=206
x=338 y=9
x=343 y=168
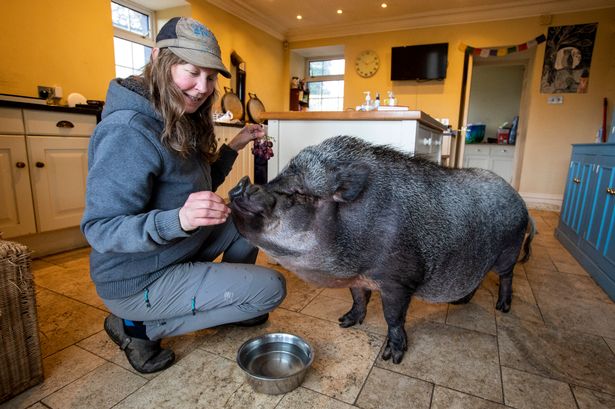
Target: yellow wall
x=550 y=128
x=262 y=53
x=67 y=43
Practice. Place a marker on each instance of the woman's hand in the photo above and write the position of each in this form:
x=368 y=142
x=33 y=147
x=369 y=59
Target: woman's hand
x=202 y=209
x=249 y=133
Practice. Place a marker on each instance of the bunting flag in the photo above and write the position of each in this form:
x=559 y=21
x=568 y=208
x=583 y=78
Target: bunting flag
x=502 y=51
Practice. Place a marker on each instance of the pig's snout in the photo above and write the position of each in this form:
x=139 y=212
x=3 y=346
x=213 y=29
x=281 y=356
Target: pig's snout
x=240 y=189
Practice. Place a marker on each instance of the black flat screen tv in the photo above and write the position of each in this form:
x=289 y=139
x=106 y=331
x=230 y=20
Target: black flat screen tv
x=419 y=62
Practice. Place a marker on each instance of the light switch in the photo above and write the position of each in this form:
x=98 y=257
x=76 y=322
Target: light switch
x=556 y=99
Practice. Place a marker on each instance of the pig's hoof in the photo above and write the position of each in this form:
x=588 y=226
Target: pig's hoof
x=349 y=319
x=503 y=306
x=389 y=353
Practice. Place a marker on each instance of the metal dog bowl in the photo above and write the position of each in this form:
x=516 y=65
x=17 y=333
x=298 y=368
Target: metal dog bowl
x=275 y=363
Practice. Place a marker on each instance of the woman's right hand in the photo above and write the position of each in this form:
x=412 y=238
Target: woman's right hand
x=203 y=209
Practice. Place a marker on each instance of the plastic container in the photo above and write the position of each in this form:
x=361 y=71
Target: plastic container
x=475 y=133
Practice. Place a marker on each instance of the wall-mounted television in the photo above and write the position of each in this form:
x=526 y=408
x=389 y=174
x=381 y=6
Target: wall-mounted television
x=419 y=62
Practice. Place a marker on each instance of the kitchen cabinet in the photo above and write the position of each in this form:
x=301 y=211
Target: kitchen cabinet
x=410 y=131
x=43 y=158
x=587 y=220
x=244 y=164
x=496 y=158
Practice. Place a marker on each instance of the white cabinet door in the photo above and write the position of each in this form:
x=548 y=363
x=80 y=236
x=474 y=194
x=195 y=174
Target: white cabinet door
x=16 y=209
x=58 y=168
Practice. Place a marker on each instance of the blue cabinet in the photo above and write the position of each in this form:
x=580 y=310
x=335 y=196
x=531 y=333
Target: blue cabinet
x=587 y=220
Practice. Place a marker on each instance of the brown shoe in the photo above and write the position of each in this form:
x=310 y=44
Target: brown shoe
x=144 y=355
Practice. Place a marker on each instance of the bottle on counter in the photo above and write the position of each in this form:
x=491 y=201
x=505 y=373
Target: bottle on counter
x=377 y=101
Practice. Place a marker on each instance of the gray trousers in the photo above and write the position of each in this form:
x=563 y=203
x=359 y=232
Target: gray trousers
x=200 y=293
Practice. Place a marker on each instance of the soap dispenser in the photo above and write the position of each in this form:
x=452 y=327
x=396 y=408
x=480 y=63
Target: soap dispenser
x=368 y=101
x=391 y=99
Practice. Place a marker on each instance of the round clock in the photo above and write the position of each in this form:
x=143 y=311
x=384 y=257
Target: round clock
x=367 y=63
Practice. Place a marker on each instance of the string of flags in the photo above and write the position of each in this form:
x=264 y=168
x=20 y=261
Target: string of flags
x=502 y=51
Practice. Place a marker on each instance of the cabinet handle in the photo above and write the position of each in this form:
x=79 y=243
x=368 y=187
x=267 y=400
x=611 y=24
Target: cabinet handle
x=610 y=190
x=576 y=180
x=39 y=164
x=65 y=124
x=20 y=165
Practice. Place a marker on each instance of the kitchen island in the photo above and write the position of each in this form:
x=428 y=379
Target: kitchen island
x=414 y=132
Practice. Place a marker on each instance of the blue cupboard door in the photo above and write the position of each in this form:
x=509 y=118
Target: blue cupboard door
x=576 y=194
x=599 y=239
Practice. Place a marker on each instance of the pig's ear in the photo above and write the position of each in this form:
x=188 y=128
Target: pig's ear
x=350 y=179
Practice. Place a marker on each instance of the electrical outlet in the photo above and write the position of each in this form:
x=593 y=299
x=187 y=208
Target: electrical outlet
x=46 y=92
x=556 y=99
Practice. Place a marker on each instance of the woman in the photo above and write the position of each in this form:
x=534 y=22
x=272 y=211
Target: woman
x=151 y=216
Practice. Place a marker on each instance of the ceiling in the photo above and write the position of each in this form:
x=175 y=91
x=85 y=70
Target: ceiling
x=321 y=20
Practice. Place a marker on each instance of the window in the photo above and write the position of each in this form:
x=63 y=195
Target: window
x=326 y=84
x=132 y=37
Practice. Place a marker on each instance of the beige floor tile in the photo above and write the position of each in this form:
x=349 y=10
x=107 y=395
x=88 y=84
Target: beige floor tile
x=63 y=321
x=246 y=398
x=102 y=388
x=565 y=262
x=453 y=357
x=477 y=315
x=566 y=285
x=59 y=369
x=611 y=343
x=305 y=398
x=590 y=399
x=568 y=356
x=342 y=356
x=540 y=257
x=386 y=389
x=444 y=398
x=528 y=391
x=202 y=380
x=72 y=282
x=569 y=312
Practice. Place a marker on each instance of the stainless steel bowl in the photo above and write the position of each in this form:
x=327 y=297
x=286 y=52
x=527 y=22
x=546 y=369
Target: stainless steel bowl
x=275 y=363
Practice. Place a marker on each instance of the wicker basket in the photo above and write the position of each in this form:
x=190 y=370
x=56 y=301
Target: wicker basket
x=21 y=366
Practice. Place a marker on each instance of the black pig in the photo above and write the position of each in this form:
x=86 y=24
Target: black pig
x=346 y=213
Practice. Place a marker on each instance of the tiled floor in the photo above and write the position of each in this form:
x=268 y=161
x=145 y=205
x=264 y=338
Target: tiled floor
x=555 y=349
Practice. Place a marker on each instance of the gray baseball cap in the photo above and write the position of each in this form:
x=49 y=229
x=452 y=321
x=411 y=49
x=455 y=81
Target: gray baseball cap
x=192 y=42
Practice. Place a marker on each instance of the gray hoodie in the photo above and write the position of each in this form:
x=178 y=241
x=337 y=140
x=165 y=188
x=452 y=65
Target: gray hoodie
x=135 y=188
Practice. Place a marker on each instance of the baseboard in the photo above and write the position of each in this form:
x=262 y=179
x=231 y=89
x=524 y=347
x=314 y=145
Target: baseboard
x=57 y=241
x=542 y=201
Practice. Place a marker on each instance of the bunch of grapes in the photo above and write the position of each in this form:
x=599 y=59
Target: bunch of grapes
x=263 y=148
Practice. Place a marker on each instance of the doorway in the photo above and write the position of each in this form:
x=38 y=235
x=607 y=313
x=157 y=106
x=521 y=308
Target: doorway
x=497 y=90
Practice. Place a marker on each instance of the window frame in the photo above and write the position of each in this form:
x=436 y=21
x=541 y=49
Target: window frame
x=325 y=78
x=148 y=40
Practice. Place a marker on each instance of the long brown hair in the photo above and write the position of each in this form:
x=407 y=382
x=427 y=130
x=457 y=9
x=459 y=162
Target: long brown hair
x=183 y=133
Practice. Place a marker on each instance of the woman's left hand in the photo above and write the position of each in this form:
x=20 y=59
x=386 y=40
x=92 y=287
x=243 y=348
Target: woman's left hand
x=249 y=133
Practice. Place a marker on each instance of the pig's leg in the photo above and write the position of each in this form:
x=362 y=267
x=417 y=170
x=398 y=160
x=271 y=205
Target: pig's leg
x=360 y=298
x=504 y=266
x=395 y=305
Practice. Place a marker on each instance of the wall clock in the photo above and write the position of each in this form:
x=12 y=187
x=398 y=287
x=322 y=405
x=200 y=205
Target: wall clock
x=367 y=63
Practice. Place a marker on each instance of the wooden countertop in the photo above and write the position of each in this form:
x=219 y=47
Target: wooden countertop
x=355 y=116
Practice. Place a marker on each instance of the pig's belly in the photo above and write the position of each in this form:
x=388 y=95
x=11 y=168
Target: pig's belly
x=445 y=288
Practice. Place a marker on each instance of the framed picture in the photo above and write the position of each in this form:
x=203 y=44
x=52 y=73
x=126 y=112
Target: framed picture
x=568 y=57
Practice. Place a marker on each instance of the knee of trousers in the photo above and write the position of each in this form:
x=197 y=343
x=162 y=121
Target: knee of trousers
x=276 y=286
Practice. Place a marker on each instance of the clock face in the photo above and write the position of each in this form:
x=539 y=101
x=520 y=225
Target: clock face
x=367 y=63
